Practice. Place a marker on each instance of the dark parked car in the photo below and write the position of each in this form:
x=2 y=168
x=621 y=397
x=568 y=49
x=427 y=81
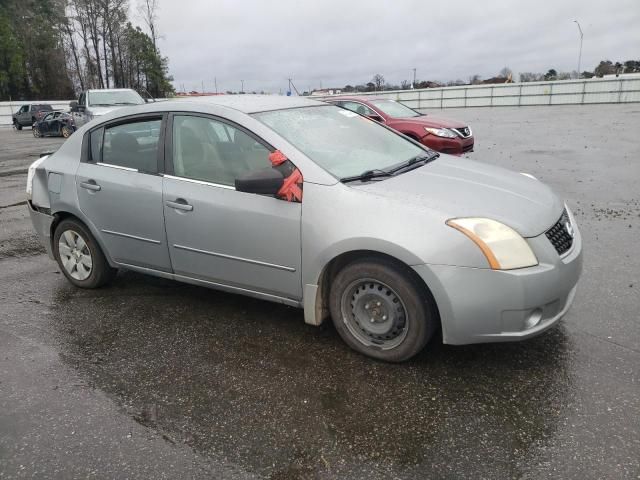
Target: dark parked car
x=30 y=114
x=440 y=134
x=54 y=124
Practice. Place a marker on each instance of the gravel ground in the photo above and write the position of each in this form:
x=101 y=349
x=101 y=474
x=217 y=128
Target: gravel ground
x=149 y=378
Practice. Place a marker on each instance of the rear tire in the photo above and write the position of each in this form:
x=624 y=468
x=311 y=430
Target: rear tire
x=66 y=131
x=79 y=255
x=380 y=311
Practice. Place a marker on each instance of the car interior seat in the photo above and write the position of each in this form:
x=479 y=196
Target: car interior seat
x=124 y=151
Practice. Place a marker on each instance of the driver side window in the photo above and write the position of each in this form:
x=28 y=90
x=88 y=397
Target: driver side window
x=213 y=151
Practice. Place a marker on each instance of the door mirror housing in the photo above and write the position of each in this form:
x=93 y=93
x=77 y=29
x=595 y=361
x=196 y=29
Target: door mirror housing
x=266 y=181
x=73 y=106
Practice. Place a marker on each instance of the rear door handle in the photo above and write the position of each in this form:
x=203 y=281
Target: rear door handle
x=91 y=185
x=180 y=204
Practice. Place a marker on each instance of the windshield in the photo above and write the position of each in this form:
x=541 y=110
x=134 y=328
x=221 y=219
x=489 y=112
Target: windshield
x=395 y=109
x=340 y=141
x=119 y=97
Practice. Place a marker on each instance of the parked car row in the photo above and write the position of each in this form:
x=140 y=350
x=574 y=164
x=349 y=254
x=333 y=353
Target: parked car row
x=46 y=122
x=315 y=206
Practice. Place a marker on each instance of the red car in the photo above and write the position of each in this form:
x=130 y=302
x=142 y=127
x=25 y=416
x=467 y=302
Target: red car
x=440 y=134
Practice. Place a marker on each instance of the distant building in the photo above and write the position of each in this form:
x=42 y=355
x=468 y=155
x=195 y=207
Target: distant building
x=326 y=91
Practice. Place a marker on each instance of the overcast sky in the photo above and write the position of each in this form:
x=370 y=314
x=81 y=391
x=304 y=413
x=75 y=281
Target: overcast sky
x=333 y=43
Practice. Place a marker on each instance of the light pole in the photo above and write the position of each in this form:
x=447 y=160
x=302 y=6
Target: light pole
x=242 y=83
x=413 y=84
x=579 y=54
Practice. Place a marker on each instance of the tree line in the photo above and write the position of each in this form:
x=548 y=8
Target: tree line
x=52 y=49
x=605 y=67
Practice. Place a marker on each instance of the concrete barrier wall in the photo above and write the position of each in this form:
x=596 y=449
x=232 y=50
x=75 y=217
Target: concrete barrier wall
x=9 y=108
x=561 y=92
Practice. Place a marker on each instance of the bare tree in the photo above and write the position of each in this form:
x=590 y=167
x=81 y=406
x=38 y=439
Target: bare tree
x=378 y=81
x=148 y=9
x=506 y=72
x=474 y=79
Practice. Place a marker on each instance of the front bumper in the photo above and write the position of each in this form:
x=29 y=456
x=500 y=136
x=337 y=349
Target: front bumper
x=452 y=146
x=42 y=225
x=480 y=305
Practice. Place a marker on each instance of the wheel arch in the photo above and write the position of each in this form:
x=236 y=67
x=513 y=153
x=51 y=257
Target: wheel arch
x=61 y=215
x=319 y=304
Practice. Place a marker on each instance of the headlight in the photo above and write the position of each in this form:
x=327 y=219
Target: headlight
x=31 y=173
x=504 y=248
x=441 y=132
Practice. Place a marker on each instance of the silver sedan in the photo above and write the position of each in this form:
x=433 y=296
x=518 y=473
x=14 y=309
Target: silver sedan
x=295 y=201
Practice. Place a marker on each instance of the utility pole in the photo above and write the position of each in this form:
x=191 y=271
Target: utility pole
x=413 y=84
x=242 y=83
x=215 y=83
x=202 y=86
x=579 y=54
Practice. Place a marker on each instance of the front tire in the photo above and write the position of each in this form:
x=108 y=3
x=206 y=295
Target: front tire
x=380 y=310
x=79 y=255
x=36 y=132
x=17 y=125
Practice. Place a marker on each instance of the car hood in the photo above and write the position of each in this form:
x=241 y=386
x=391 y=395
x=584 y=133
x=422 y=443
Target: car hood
x=431 y=121
x=457 y=187
x=98 y=111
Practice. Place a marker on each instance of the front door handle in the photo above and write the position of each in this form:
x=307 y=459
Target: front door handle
x=91 y=185
x=180 y=204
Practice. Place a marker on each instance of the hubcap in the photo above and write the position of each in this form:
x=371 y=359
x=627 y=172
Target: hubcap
x=374 y=314
x=75 y=255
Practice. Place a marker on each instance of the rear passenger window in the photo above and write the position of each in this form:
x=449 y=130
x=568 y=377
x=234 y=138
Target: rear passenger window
x=213 y=151
x=132 y=145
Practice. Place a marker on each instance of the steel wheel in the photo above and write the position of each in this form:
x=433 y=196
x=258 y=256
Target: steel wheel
x=374 y=314
x=75 y=255
x=66 y=132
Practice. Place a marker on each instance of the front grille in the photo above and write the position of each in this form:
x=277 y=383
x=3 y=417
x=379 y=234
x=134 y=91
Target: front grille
x=561 y=234
x=464 y=132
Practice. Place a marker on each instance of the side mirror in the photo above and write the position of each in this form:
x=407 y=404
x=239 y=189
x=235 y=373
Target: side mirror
x=266 y=181
x=73 y=106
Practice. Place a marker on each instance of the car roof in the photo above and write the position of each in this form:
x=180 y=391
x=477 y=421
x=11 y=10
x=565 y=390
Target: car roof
x=252 y=103
x=111 y=90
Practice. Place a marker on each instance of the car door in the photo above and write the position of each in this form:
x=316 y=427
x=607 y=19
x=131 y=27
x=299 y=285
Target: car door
x=215 y=233
x=120 y=190
x=79 y=112
x=23 y=115
x=53 y=125
x=45 y=124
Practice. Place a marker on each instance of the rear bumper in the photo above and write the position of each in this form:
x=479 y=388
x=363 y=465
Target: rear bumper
x=42 y=225
x=480 y=305
x=452 y=146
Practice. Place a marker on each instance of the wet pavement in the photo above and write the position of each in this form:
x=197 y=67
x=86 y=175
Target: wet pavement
x=149 y=378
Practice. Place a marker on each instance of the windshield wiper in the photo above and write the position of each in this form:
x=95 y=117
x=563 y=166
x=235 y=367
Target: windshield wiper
x=422 y=158
x=367 y=175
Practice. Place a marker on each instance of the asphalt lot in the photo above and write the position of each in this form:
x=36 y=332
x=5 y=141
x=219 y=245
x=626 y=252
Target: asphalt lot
x=153 y=379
